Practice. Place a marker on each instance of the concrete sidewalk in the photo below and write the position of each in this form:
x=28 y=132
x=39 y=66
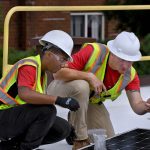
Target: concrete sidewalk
x=122 y=116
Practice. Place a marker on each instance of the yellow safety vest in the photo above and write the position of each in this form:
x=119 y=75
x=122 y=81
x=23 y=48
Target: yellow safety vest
x=97 y=65
x=11 y=77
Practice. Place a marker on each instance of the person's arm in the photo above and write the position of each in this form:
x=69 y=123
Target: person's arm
x=73 y=70
x=67 y=74
x=33 y=97
x=138 y=105
x=26 y=80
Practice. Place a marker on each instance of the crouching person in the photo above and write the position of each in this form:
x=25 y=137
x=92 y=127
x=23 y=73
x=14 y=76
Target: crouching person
x=28 y=115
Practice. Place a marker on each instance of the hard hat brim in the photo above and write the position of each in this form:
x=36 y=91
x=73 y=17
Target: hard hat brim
x=70 y=58
x=118 y=53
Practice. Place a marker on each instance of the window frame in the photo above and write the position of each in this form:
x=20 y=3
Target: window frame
x=86 y=14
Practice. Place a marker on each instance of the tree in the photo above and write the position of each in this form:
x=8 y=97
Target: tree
x=131 y=20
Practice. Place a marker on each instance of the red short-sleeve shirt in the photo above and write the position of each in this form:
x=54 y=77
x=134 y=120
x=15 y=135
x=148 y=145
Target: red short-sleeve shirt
x=26 y=76
x=80 y=59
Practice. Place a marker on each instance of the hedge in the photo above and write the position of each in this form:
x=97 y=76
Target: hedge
x=14 y=56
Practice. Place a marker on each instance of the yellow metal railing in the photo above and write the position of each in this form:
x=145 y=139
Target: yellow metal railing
x=59 y=8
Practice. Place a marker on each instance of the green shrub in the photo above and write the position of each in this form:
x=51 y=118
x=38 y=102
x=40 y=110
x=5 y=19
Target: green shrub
x=14 y=56
x=145 y=46
x=143 y=67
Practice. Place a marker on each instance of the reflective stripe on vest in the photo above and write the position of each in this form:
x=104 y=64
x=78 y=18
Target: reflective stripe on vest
x=9 y=79
x=116 y=90
x=4 y=97
x=97 y=64
x=12 y=71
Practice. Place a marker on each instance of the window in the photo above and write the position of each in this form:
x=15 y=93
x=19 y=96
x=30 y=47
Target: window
x=89 y=25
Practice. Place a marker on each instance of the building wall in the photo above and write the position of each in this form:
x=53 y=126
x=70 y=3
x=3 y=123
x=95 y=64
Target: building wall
x=24 y=26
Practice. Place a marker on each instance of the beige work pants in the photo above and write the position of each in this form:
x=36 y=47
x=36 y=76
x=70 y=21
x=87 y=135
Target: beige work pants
x=89 y=116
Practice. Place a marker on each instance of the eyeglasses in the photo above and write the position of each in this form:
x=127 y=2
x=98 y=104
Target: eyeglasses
x=60 y=58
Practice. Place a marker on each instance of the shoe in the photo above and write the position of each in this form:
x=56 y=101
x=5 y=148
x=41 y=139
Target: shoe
x=80 y=143
x=72 y=136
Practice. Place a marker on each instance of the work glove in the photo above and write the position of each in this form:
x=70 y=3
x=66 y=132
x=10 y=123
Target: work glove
x=68 y=102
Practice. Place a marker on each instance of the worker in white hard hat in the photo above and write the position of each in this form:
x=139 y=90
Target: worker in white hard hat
x=27 y=114
x=100 y=72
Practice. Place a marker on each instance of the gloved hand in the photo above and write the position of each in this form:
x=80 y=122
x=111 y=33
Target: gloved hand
x=68 y=102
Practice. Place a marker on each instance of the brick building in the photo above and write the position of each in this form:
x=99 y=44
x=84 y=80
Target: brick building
x=83 y=26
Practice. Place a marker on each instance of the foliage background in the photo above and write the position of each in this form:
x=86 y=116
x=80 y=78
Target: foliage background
x=14 y=56
x=135 y=21
x=132 y=20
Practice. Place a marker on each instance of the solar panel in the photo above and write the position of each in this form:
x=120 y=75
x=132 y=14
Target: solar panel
x=137 y=139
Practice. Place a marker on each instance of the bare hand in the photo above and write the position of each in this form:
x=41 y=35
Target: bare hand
x=96 y=84
x=148 y=105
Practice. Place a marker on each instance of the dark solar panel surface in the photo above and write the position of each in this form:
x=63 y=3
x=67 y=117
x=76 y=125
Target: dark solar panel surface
x=137 y=139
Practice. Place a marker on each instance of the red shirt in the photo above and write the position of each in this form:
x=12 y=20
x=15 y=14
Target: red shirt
x=26 y=76
x=111 y=76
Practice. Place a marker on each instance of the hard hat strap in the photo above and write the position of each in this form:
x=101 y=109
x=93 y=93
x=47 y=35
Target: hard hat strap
x=47 y=46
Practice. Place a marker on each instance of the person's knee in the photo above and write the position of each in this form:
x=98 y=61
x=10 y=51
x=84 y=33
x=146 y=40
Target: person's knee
x=80 y=87
x=46 y=111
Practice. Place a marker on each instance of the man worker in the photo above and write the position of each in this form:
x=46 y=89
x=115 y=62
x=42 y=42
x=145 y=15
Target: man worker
x=97 y=73
x=27 y=113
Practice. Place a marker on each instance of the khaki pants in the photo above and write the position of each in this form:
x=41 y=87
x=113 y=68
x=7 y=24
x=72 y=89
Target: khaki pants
x=89 y=116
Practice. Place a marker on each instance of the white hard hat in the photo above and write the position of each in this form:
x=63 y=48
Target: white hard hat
x=125 y=46
x=60 y=39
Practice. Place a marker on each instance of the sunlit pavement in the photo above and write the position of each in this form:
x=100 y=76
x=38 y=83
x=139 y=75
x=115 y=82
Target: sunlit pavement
x=122 y=116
